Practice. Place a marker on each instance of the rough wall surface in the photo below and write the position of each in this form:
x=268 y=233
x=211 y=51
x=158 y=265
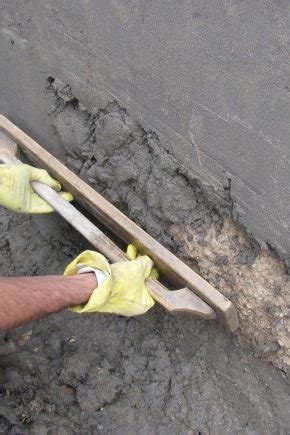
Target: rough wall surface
x=132 y=169
x=211 y=78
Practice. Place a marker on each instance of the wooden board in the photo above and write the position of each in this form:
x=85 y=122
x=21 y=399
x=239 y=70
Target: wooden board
x=123 y=227
x=183 y=300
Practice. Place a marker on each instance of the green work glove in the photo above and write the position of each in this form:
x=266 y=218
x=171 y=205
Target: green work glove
x=16 y=192
x=122 y=291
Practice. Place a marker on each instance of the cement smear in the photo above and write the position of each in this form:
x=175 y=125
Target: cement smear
x=157 y=373
x=153 y=374
x=132 y=169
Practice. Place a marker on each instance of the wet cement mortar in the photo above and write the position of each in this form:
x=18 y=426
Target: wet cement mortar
x=155 y=373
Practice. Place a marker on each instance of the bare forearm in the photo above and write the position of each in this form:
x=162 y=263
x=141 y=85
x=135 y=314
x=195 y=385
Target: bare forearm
x=25 y=299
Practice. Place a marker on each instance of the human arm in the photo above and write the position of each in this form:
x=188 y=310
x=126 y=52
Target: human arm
x=24 y=299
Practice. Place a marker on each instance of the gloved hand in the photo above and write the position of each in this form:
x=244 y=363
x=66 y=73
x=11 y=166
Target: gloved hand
x=16 y=192
x=132 y=253
x=123 y=291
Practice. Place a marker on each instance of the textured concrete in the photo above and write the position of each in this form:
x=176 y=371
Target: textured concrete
x=211 y=78
x=99 y=374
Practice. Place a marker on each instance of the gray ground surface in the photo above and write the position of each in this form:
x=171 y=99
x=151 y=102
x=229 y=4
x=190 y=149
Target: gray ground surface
x=152 y=374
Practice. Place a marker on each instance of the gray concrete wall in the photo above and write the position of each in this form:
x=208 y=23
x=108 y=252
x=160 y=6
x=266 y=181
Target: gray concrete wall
x=211 y=77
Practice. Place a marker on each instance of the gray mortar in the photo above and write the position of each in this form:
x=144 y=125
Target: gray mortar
x=106 y=374
x=213 y=81
x=211 y=78
x=133 y=170
x=156 y=373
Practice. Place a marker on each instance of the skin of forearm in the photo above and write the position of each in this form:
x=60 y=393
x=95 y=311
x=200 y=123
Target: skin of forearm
x=24 y=299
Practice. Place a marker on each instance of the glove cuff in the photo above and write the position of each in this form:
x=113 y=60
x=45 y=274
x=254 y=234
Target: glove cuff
x=101 y=276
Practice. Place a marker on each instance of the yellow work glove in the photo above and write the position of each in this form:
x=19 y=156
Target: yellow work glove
x=123 y=291
x=16 y=192
x=132 y=253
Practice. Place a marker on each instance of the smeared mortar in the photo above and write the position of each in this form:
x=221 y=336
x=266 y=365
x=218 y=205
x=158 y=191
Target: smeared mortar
x=134 y=171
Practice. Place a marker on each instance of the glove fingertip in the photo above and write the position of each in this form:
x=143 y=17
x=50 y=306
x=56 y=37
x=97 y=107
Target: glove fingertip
x=132 y=252
x=41 y=209
x=154 y=274
x=56 y=186
x=67 y=196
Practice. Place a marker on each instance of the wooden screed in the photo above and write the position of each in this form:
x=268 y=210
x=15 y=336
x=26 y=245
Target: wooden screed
x=197 y=295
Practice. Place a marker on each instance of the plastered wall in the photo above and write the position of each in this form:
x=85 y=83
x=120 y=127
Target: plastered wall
x=210 y=77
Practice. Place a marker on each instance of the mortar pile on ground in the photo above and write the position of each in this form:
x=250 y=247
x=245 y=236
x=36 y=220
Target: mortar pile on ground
x=155 y=373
